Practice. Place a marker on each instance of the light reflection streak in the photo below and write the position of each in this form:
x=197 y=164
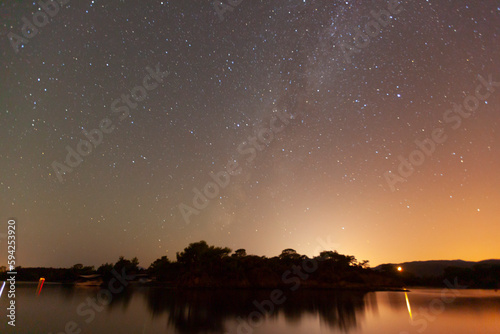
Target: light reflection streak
x=408 y=305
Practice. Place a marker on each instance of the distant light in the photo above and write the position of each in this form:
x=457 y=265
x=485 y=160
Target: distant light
x=40 y=285
x=400 y=269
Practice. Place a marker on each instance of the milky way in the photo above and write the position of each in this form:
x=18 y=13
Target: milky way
x=179 y=91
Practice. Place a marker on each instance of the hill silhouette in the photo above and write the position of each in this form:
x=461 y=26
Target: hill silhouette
x=479 y=275
x=436 y=267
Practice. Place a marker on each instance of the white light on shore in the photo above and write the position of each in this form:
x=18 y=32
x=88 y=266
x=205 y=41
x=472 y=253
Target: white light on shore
x=1 y=290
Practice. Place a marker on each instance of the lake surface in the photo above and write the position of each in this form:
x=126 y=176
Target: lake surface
x=160 y=310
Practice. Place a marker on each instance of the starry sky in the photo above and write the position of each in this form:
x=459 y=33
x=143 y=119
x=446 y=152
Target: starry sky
x=349 y=102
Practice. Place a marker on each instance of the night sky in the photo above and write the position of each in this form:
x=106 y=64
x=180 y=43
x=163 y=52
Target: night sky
x=348 y=110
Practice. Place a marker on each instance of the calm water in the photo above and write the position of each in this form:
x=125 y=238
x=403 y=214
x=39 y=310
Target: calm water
x=158 y=310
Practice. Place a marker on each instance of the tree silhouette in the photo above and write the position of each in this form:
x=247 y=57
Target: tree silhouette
x=162 y=269
x=200 y=258
x=289 y=253
x=240 y=253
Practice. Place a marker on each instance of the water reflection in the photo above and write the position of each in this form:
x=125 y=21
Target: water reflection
x=408 y=305
x=193 y=312
x=148 y=310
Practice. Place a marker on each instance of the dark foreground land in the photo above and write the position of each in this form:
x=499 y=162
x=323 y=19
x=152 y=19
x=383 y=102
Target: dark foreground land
x=204 y=266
